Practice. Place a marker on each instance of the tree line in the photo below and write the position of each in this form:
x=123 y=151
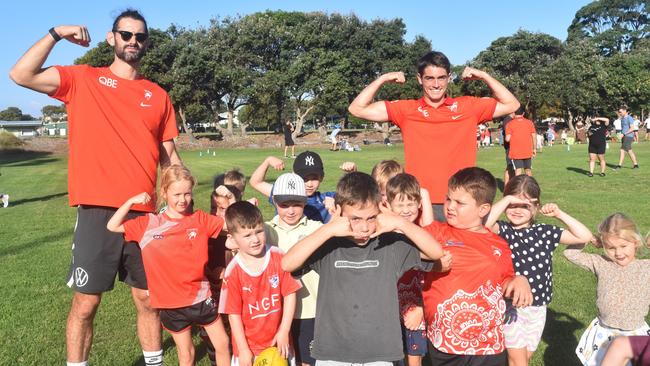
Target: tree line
x=279 y=65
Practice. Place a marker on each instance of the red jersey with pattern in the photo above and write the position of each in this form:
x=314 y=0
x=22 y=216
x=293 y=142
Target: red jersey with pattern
x=521 y=131
x=464 y=307
x=439 y=141
x=175 y=253
x=257 y=298
x=115 y=129
x=409 y=293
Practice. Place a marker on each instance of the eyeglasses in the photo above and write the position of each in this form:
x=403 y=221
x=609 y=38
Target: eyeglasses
x=126 y=36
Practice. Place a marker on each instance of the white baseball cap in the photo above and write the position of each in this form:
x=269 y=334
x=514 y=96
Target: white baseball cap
x=289 y=187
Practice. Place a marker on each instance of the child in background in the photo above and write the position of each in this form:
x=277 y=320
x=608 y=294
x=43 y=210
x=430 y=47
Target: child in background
x=623 y=291
x=382 y=172
x=284 y=231
x=464 y=307
x=309 y=166
x=625 y=350
x=532 y=245
x=359 y=264
x=403 y=197
x=174 y=252
x=258 y=296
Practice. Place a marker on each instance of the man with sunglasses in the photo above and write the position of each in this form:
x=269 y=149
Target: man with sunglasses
x=121 y=127
x=439 y=132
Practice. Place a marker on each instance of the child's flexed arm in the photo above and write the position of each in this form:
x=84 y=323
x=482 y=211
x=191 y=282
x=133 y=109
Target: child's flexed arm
x=576 y=233
x=257 y=178
x=115 y=223
x=429 y=248
x=296 y=257
x=500 y=207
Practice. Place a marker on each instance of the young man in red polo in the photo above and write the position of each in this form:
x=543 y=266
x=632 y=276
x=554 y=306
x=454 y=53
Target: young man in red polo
x=439 y=132
x=522 y=136
x=121 y=128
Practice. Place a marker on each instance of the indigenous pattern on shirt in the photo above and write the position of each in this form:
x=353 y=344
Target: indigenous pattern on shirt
x=116 y=127
x=257 y=297
x=532 y=256
x=174 y=253
x=409 y=291
x=464 y=307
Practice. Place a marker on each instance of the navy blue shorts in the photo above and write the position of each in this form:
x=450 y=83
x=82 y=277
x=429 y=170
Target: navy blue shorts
x=302 y=335
x=415 y=341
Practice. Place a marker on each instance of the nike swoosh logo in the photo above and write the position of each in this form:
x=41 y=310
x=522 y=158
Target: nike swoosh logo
x=144 y=105
x=456 y=117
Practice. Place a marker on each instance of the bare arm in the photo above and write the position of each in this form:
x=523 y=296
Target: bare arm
x=576 y=233
x=296 y=257
x=508 y=137
x=534 y=137
x=601 y=119
x=498 y=209
x=169 y=154
x=257 y=178
x=237 y=329
x=282 y=336
x=363 y=107
x=426 y=217
x=29 y=71
x=506 y=101
x=115 y=223
x=429 y=248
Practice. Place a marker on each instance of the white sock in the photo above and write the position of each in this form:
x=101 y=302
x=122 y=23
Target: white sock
x=153 y=358
x=83 y=363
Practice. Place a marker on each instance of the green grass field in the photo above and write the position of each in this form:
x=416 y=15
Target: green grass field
x=36 y=231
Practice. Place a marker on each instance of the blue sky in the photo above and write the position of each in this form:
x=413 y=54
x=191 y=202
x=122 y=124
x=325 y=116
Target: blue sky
x=461 y=31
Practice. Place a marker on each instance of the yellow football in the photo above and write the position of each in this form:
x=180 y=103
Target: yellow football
x=270 y=357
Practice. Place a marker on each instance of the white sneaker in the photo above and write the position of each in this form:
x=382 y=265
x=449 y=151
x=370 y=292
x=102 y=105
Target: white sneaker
x=5 y=200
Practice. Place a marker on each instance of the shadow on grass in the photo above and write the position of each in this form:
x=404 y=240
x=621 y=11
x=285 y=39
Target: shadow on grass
x=558 y=334
x=577 y=170
x=24 y=158
x=36 y=199
x=12 y=250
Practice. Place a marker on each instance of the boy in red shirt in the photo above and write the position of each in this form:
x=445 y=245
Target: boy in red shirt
x=258 y=296
x=521 y=134
x=464 y=307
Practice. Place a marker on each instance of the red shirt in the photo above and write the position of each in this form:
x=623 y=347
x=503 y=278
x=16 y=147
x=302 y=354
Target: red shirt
x=464 y=307
x=521 y=131
x=257 y=297
x=174 y=252
x=409 y=293
x=439 y=141
x=116 y=127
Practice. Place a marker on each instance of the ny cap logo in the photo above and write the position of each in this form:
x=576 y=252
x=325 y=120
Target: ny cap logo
x=292 y=185
x=309 y=160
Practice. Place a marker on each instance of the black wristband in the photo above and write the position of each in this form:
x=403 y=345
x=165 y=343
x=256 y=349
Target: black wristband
x=55 y=35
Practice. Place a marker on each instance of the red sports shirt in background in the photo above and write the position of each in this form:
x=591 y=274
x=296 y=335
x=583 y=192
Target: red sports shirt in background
x=521 y=131
x=438 y=142
x=116 y=127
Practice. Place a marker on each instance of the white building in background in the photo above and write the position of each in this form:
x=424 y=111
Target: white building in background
x=22 y=128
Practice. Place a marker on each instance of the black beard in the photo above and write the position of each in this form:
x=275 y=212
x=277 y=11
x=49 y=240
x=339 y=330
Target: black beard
x=130 y=57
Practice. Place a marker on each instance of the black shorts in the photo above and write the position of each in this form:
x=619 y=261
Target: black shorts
x=598 y=148
x=181 y=319
x=522 y=163
x=302 y=335
x=626 y=144
x=98 y=254
x=446 y=359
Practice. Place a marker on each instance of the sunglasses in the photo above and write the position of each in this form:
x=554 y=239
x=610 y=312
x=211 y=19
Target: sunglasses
x=126 y=36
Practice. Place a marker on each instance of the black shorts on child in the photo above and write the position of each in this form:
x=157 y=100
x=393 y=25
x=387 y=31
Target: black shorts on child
x=181 y=319
x=302 y=334
x=415 y=341
x=446 y=359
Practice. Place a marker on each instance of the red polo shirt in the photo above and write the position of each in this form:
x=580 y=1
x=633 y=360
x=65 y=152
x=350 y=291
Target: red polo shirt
x=439 y=141
x=521 y=131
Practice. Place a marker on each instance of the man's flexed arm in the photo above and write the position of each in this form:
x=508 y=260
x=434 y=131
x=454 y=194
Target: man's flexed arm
x=29 y=72
x=363 y=107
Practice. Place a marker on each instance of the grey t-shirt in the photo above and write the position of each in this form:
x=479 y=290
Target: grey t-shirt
x=357 y=311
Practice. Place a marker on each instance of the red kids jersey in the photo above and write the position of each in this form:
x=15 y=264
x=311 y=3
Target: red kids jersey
x=521 y=131
x=438 y=142
x=464 y=307
x=257 y=297
x=409 y=293
x=116 y=127
x=174 y=253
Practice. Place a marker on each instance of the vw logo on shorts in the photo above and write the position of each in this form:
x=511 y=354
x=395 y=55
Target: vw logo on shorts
x=80 y=277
